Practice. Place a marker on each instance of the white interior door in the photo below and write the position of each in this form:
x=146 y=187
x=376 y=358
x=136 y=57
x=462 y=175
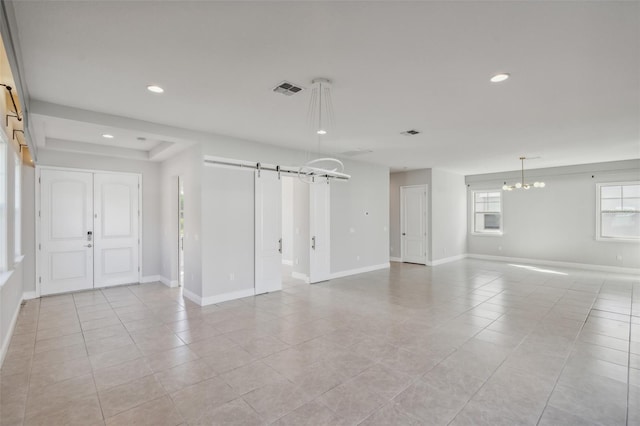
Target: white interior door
x=414 y=223
x=66 y=224
x=116 y=210
x=268 y=232
x=320 y=228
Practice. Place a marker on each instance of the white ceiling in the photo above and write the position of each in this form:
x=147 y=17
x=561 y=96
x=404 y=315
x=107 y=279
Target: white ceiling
x=574 y=95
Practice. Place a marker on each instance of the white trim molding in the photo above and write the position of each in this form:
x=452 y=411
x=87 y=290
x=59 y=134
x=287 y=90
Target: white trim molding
x=159 y=278
x=360 y=270
x=395 y=259
x=447 y=260
x=588 y=266
x=28 y=295
x=300 y=276
x=219 y=298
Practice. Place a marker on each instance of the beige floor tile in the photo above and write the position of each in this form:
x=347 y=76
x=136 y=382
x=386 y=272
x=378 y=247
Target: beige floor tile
x=58 y=395
x=351 y=403
x=46 y=374
x=167 y=359
x=120 y=374
x=195 y=400
x=236 y=412
x=310 y=414
x=184 y=375
x=129 y=395
x=159 y=412
x=249 y=377
x=115 y=357
x=84 y=411
x=276 y=399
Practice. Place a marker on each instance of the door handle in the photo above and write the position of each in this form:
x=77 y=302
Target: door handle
x=404 y=233
x=280 y=245
x=88 y=245
x=313 y=243
x=89 y=235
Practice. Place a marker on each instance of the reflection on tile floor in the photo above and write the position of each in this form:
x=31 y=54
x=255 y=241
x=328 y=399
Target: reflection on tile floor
x=467 y=343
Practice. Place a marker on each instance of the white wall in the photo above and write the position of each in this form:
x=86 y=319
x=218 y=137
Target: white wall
x=227 y=231
x=396 y=180
x=447 y=205
x=151 y=222
x=287 y=220
x=558 y=222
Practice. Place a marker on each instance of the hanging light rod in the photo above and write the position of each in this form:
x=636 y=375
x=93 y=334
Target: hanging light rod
x=308 y=172
x=13 y=101
x=522 y=184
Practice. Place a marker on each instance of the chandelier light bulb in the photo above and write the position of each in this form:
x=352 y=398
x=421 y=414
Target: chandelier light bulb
x=322 y=132
x=505 y=188
x=526 y=186
x=518 y=185
x=536 y=184
x=541 y=184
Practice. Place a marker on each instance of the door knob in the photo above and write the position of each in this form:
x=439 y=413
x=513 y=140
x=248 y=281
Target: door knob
x=88 y=245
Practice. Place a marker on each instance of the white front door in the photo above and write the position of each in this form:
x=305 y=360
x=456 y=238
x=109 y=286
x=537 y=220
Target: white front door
x=268 y=232
x=414 y=223
x=116 y=213
x=319 y=225
x=66 y=227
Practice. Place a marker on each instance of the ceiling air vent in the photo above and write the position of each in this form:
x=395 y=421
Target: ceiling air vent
x=411 y=132
x=357 y=152
x=287 y=89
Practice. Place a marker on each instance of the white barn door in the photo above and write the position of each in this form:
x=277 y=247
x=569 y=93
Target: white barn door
x=414 y=223
x=116 y=214
x=66 y=227
x=320 y=227
x=268 y=232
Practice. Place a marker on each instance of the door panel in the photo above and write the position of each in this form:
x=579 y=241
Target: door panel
x=320 y=227
x=116 y=224
x=66 y=210
x=268 y=232
x=414 y=247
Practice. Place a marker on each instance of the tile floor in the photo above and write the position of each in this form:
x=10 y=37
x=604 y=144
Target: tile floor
x=467 y=343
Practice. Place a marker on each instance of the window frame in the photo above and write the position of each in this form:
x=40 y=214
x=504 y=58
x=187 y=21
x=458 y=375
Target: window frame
x=598 y=216
x=496 y=233
x=17 y=206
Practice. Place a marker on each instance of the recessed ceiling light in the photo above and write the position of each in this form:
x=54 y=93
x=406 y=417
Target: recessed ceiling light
x=155 y=89
x=107 y=136
x=499 y=77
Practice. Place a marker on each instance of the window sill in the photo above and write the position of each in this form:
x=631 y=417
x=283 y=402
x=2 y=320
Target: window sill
x=617 y=240
x=487 y=234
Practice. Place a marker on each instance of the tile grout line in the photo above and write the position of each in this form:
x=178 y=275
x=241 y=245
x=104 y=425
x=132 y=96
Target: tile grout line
x=564 y=365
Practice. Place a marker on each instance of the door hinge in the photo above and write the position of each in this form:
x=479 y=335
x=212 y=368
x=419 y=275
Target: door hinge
x=138 y=269
x=138 y=241
x=39 y=246
x=39 y=213
x=40 y=279
x=39 y=180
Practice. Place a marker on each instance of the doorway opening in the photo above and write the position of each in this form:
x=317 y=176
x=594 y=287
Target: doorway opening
x=180 y=231
x=295 y=231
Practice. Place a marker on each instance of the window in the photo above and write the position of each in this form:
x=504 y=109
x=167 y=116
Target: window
x=3 y=202
x=618 y=211
x=487 y=212
x=17 y=206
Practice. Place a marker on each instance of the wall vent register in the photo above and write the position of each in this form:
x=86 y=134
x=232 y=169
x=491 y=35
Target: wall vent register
x=287 y=89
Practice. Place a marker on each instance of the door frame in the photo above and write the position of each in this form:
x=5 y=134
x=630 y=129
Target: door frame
x=426 y=219
x=37 y=214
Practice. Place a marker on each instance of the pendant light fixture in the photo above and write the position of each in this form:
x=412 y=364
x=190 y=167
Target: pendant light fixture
x=522 y=184
x=322 y=122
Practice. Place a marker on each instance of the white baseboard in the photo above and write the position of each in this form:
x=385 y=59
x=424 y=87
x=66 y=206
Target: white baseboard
x=28 y=295
x=360 y=270
x=218 y=298
x=287 y=262
x=591 y=267
x=159 y=278
x=10 y=330
x=447 y=260
x=395 y=259
x=192 y=296
x=300 y=276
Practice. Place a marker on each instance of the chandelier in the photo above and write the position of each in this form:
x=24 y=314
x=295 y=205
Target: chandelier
x=522 y=184
x=321 y=119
